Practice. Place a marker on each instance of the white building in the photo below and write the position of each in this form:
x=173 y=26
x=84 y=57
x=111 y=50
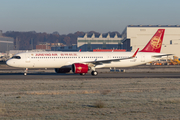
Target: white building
x=6 y=43
x=137 y=36
x=99 y=42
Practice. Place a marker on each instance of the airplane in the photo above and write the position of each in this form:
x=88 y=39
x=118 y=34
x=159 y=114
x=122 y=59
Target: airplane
x=82 y=62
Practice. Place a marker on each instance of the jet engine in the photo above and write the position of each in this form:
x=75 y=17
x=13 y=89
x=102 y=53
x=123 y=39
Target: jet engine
x=79 y=68
x=62 y=70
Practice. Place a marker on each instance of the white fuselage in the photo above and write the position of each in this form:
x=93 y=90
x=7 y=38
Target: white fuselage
x=66 y=59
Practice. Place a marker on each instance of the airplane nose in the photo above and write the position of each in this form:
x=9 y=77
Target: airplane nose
x=9 y=62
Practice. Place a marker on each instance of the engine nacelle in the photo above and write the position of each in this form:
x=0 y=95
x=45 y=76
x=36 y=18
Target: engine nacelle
x=79 y=68
x=62 y=70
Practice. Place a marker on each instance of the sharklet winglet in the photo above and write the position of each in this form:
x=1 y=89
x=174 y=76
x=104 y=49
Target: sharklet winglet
x=135 y=53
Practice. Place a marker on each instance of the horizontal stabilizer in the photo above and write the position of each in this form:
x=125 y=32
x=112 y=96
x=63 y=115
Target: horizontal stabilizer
x=159 y=56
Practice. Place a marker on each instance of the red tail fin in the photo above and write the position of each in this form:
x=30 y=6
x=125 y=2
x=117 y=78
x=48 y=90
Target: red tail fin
x=154 y=45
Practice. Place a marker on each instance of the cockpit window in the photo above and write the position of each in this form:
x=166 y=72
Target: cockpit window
x=16 y=57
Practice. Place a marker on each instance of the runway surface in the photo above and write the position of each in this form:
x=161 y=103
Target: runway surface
x=133 y=72
x=45 y=76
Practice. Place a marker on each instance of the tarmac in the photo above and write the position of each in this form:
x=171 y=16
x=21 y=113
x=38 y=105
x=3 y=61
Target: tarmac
x=144 y=71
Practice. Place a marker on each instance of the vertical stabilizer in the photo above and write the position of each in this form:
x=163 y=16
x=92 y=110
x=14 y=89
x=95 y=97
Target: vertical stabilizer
x=154 y=45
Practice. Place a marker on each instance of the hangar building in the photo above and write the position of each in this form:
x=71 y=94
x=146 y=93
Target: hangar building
x=137 y=36
x=6 y=43
x=88 y=43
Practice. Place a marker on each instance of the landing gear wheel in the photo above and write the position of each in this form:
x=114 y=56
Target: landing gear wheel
x=82 y=74
x=94 y=73
x=25 y=72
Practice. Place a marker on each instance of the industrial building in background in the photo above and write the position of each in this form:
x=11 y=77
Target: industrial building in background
x=6 y=43
x=72 y=47
x=137 y=36
x=87 y=43
x=44 y=46
x=133 y=37
x=56 y=47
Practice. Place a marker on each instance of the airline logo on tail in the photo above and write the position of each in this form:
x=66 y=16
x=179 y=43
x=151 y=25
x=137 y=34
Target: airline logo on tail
x=155 y=43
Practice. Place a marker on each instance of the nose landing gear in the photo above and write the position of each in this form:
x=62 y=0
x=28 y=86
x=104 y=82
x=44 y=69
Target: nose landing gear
x=25 y=72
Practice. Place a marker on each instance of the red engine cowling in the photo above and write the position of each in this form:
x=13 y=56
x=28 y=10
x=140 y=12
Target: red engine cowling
x=62 y=70
x=79 y=68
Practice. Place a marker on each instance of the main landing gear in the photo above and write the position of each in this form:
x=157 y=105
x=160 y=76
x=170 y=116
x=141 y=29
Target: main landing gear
x=82 y=74
x=94 y=73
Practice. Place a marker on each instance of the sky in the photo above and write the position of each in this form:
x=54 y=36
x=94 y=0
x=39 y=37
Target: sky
x=69 y=16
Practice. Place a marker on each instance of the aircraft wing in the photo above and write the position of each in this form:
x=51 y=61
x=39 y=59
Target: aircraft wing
x=98 y=62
